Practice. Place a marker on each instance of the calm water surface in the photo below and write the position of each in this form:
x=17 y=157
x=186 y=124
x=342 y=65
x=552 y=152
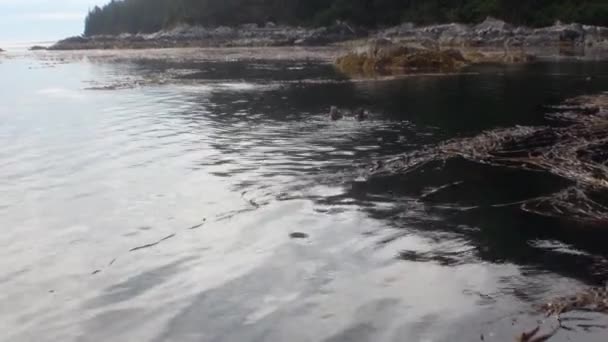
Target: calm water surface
x=101 y=157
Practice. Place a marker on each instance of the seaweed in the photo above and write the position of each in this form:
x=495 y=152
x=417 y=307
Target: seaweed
x=573 y=146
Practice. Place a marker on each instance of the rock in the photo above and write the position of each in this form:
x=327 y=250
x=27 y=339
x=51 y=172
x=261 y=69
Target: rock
x=492 y=33
x=491 y=24
x=455 y=34
x=496 y=33
x=250 y=26
x=596 y=36
x=400 y=30
x=360 y=114
x=498 y=57
x=334 y=113
x=73 y=43
x=37 y=48
x=572 y=33
x=445 y=30
x=1 y=50
x=381 y=48
x=383 y=56
x=197 y=36
x=336 y=33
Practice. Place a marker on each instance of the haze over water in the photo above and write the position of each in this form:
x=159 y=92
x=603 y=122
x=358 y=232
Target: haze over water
x=152 y=199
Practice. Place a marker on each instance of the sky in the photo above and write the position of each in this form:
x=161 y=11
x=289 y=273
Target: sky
x=42 y=20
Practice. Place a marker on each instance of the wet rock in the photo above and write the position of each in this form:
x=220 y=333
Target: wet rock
x=298 y=235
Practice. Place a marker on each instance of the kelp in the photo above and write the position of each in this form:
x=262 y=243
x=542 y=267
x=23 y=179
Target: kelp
x=574 y=146
x=589 y=300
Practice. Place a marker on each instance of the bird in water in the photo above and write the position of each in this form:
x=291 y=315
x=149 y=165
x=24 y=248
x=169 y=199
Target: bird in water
x=334 y=113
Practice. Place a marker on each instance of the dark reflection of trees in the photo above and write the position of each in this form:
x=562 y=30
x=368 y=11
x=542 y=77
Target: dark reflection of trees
x=475 y=211
x=456 y=105
x=484 y=97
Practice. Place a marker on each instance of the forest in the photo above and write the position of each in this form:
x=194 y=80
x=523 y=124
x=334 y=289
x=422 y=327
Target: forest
x=145 y=16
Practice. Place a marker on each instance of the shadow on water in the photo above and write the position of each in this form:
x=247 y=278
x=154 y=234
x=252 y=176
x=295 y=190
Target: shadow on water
x=481 y=205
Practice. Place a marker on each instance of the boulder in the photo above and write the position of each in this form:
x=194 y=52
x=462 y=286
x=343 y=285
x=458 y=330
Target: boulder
x=491 y=24
x=571 y=33
x=452 y=29
x=492 y=32
x=399 y=30
x=455 y=35
x=559 y=34
x=339 y=32
x=596 y=36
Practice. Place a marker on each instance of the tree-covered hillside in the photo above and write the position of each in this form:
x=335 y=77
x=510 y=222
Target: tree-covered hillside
x=135 y=16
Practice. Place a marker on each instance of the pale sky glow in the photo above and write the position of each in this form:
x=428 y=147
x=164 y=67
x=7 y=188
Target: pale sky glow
x=42 y=20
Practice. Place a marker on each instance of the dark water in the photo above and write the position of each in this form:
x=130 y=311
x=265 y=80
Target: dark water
x=244 y=148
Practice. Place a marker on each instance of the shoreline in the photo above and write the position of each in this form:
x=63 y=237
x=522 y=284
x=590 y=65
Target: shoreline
x=314 y=54
x=491 y=33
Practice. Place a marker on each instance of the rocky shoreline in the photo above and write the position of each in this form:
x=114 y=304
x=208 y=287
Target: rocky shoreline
x=249 y=35
x=497 y=33
x=490 y=33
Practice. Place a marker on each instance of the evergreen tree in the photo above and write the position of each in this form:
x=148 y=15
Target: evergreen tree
x=134 y=16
